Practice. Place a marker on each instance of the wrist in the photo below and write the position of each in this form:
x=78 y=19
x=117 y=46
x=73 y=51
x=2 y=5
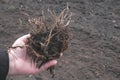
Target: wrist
x=12 y=69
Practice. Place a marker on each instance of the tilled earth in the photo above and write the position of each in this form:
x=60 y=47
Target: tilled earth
x=94 y=53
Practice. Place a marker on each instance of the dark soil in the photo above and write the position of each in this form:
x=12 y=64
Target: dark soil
x=94 y=53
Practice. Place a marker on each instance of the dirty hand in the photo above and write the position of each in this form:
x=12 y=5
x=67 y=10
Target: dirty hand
x=19 y=63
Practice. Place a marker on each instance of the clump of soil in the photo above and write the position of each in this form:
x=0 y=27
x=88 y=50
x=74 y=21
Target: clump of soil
x=49 y=37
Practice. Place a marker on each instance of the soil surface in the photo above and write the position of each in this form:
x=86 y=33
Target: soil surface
x=94 y=53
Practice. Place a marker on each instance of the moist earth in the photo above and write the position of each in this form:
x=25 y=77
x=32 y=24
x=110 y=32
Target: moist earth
x=94 y=53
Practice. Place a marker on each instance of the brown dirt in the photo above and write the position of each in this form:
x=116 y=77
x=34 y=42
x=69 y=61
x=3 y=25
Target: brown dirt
x=94 y=53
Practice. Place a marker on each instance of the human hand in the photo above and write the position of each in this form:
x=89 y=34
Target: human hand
x=20 y=64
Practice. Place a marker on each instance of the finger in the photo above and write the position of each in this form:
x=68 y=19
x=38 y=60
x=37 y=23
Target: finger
x=61 y=54
x=47 y=65
x=22 y=40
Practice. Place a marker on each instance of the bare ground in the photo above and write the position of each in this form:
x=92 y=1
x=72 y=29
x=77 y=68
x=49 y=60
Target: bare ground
x=94 y=53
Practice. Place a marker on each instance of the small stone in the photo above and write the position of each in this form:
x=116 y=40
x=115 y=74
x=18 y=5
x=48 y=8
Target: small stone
x=113 y=21
x=30 y=76
x=11 y=7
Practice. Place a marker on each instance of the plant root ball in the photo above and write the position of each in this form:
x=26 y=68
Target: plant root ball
x=49 y=38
